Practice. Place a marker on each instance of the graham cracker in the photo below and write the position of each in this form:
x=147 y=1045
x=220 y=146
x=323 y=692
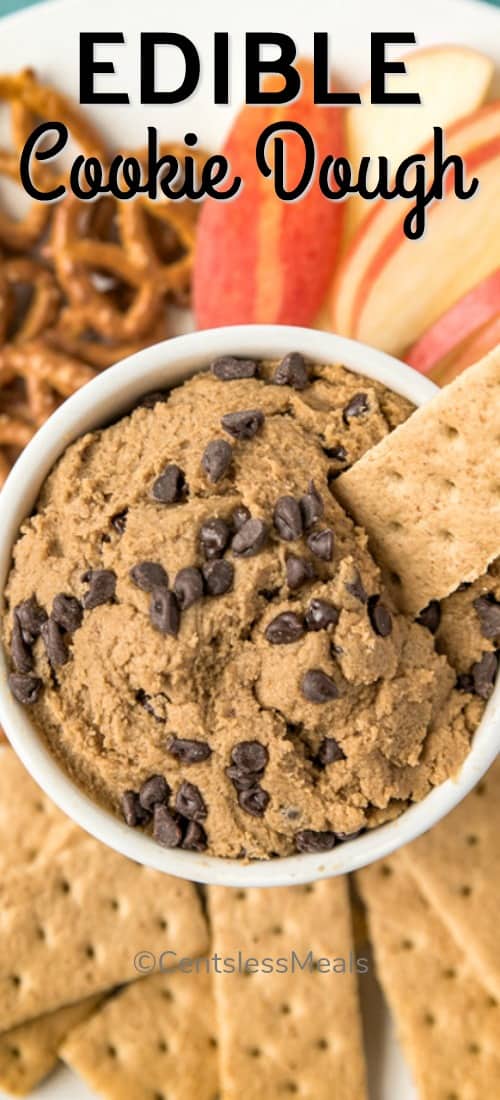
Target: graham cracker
x=71 y=926
x=457 y=867
x=30 y=824
x=154 y=1040
x=428 y=495
x=30 y=1052
x=287 y=1033
x=447 y=1022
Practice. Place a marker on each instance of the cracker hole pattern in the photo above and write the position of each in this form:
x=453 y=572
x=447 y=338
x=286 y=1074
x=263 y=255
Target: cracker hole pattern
x=429 y=1019
x=407 y=945
x=465 y=891
x=111 y=1051
x=15 y=981
x=162 y=1046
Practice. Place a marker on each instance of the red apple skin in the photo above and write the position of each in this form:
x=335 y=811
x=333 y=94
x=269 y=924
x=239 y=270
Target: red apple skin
x=259 y=259
x=470 y=351
x=470 y=313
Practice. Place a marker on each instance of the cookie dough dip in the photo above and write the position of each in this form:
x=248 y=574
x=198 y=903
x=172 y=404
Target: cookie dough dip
x=204 y=640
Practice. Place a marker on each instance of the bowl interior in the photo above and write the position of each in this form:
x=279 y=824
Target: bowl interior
x=110 y=395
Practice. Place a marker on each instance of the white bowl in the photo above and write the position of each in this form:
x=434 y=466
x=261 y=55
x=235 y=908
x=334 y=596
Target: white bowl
x=102 y=400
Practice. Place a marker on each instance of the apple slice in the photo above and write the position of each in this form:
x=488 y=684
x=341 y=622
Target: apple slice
x=471 y=312
x=475 y=347
x=452 y=82
x=389 y=303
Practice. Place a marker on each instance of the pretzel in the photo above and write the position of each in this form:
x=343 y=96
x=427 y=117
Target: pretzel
x=82 y=343
x=42 y=308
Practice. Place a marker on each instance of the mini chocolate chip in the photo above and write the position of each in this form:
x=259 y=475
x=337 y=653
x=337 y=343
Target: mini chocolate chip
x=250 y=756
x=218 y=577
x=216 y=459
x=133 y=812
x=337 y=453
x=320 y=544
x=318 y=687
x=284 y=629
x=320 y=614
x=195 y=838
x=250 y=539
x=430 y=617
x=102 y=587
x=243 y=425
x=298 y=571
x=145 y=701
x=240 y=516
x=55 y=645
x=356 y=588
x=214 y=537
x=348 y=836
x=309 y=840
x=149 y=400
x=254 y=801
x=166 y=829
x=22 y=657
x=67 y=612
x=164 y=611
x=189 y=802
x=228 y=368
x=357 y=406
x=483 y=675
x=488 y=610
x=31 y=618
x=25 y=688
x=292 y=371
x=312 y=506
x=242 y=781
x=380 y=617
x=465 y=682
x=329 y=752
x=170 y=486
x=153 y=791
x=188 y=586
x=119 y=522
x=148 y=575
x=189 y=752
x=288 y=519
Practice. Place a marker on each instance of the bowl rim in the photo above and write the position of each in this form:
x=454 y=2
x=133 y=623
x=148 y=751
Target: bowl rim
x=116 y=389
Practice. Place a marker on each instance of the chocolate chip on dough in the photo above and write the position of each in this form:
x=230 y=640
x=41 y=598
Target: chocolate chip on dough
x=288 y=519
x=318 y=687
x=214 y=537
x=148 y=575
x=298 y=571
x=309 y=840
x=430 y=617
x=218 y=577
x=25 y=688
x=229 y=368
x=31 y=617
x=284 y=629
x=380 y=617
x=166 y=828
x=249 y=539
x=292 y=371
x=156 y=397
x=67 y=612
x=320 y=615
x=488 y=610
x=102 y=587
x=250 y=756
x=54 y=642
x=244 y=424
x=119 y=521
x=188 y=586
x=311 y=506
x=254 y=801
x=216 y=459
x=195 y=838
x=189 y=802
x=170 y=486
x=339 y=454
x=154 y=790
x=189 y=752
x=357 y=406
x=483 y=674
x=356 y=588
x=133 y=813
x=164 y=611
x=321 y=544
x=22 y=657
x=240 y=516
x=241 y=780
x=329 y=752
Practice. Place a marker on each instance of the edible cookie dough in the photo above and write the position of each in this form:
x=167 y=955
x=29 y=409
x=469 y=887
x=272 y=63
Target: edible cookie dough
x=203 y=637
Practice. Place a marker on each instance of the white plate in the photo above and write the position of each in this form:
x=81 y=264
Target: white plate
x=46 y=37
